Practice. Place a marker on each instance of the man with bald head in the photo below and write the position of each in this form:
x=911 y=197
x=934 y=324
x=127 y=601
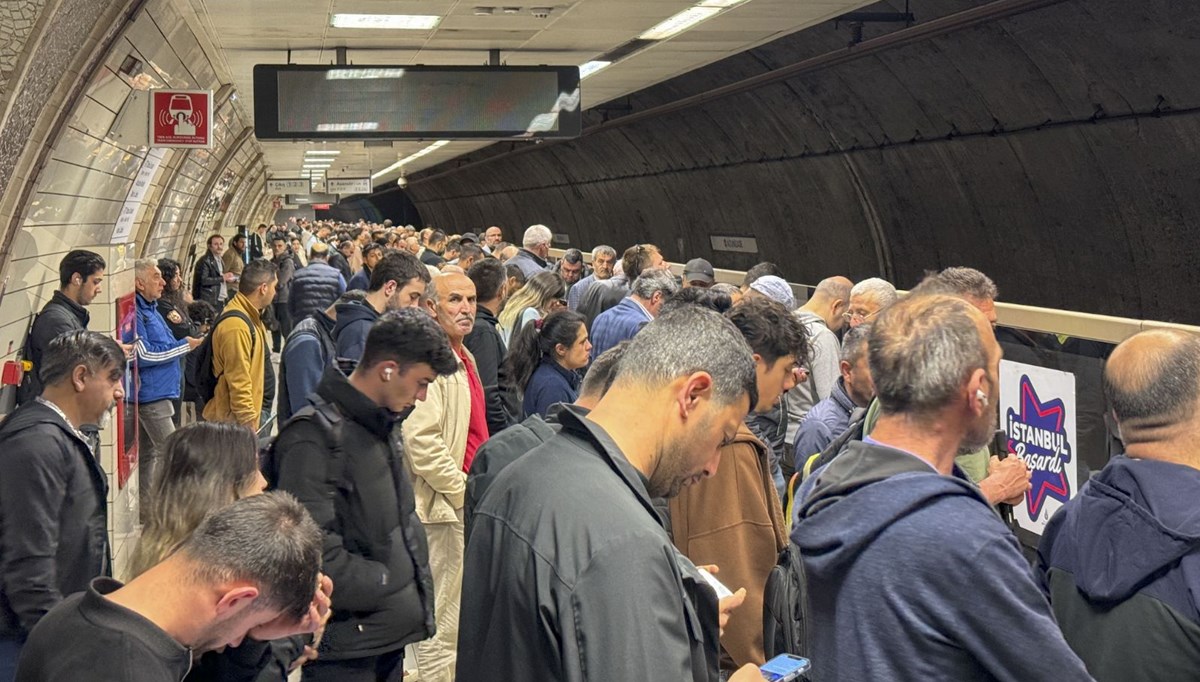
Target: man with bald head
x=441 y=437
x=491 y=237
x=822 y=318
x=1120 y=562
x=911 y=574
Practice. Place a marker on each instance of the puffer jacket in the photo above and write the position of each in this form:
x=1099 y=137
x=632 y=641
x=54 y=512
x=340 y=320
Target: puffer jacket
x=314 y=287
x=357 y=491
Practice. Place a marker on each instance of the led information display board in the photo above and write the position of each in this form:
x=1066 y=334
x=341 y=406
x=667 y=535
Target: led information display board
x=314 y=102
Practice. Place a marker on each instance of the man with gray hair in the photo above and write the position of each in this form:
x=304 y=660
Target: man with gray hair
x=536 y=248
x=893 y=521
x=624 y=320
x=868 y=298
x=555 y=538
x=603 y=259
x=250 y=570
x=160 y=372
x=829 y=418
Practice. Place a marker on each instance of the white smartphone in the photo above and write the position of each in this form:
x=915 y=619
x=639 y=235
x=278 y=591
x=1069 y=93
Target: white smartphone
x=784 y=668
x=720 y=589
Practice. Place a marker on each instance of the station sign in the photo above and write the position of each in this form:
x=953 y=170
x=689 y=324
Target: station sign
x=181 y=118
x=348 y=185
x=562 y=238
x=1037 y=414
x=289 y=186
x=734 y=244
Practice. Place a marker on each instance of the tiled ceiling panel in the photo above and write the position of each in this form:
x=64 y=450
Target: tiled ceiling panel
x=246 y=33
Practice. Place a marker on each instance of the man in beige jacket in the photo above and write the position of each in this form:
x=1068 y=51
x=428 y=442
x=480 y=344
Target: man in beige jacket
x=440 y=439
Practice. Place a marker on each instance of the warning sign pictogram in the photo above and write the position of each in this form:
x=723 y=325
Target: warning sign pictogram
x=181 y=118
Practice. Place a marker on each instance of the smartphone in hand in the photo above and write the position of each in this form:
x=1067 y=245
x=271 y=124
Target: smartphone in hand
x=784 y=668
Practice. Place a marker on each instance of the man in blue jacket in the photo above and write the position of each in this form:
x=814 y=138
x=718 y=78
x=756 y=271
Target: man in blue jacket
x=160 y=372
x=911 y=574
x=1121 y=561
x=398 y=281
x=624 y=320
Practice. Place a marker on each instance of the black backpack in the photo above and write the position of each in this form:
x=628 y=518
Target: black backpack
x=785 y=606
x=200 y=374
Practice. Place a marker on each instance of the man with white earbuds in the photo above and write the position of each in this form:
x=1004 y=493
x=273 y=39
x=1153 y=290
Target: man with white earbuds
x=339 y=458
x=910 y=573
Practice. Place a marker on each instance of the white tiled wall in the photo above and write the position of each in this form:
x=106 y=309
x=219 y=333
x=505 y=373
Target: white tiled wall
x=81 y=189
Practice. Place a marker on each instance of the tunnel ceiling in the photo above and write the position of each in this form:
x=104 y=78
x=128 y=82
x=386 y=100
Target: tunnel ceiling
x=1051 y=144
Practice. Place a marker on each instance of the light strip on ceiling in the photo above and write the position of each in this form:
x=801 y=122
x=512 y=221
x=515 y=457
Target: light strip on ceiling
x=414 y=22
x=688 y=18
x=322 y=152
x=410 y=158
x=591 y=67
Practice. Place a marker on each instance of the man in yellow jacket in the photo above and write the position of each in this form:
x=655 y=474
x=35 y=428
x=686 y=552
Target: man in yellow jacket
x=440 y=439
x=239 y=357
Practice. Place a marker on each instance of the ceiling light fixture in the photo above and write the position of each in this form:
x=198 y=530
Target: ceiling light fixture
x=412 y=22
x=719 y=3
x=322 y=152
x=591 y=67
x=411 y=157
x=680 y=22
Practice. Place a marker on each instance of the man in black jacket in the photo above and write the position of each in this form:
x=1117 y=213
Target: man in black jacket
x=486 y=344
x=338 y=456
x=80 y=275
x=53 y=493
x=210 y=281
x=398 y=281
x=548 y=590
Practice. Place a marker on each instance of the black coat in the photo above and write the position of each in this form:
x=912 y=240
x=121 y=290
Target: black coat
x=359 y=494
x=59 y=316
x=54 y=513
x=206 y=281
x=485 y=344
x=569 y=574
x=314 y=288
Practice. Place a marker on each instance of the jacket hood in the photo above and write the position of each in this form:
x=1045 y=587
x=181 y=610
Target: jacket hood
x=862 y=492
x=1133 y=519
x=351 y=313
x=34 y=414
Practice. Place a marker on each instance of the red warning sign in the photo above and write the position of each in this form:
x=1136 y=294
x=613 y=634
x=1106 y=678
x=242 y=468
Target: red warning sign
x=181 y=118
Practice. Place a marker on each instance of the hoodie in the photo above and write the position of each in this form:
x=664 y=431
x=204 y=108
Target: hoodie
x=1123 y=557
x=912 y=576
x=354 y=321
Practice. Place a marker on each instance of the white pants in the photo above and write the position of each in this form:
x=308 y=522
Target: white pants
x=436 y=656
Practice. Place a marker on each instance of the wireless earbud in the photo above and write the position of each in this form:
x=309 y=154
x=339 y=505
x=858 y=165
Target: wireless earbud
x=387 y=374
x=983 y=399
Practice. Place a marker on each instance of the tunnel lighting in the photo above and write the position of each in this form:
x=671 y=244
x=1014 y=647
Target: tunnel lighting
x=415 y=22
x=411 y=157
x=591 y=67
x=680 y=23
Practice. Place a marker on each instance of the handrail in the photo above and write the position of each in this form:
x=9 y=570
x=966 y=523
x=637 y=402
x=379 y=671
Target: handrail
x=1104 y=328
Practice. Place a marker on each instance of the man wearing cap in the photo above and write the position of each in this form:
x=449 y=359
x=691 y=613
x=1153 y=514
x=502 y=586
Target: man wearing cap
x=774 y=288
x=698 y=273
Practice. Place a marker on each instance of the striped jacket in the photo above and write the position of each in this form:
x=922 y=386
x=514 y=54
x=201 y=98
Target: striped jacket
x=159 y=355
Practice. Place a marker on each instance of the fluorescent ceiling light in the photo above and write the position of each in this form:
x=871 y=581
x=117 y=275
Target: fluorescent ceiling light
x=418 y=22
x=680 y=23
x=411 y=157
x=591 y=67
x=311 y=166
x=719 y=3
x=322 y=152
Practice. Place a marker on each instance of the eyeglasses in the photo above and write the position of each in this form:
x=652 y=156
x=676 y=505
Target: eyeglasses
x=858 y=316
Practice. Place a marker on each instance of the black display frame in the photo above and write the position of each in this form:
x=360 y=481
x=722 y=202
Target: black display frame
x=266 y=105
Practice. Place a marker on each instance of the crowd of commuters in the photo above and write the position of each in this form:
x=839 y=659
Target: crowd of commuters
x=519 y=469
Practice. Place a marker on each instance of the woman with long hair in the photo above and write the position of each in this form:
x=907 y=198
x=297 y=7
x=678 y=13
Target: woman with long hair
x=204 y=466
x=173 y=306
x=544 y=358
x=543 y=294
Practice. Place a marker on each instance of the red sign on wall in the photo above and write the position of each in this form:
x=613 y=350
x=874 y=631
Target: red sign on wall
x=181 y=118
x=127 y=413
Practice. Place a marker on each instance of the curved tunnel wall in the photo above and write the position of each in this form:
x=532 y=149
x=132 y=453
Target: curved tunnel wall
x=1054 y=149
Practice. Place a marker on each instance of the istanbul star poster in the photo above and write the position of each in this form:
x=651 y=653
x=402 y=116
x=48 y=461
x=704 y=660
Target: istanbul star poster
x=1037 y=413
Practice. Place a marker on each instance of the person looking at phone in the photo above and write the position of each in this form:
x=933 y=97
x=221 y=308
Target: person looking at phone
x=910 y=573
x=567 y=537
